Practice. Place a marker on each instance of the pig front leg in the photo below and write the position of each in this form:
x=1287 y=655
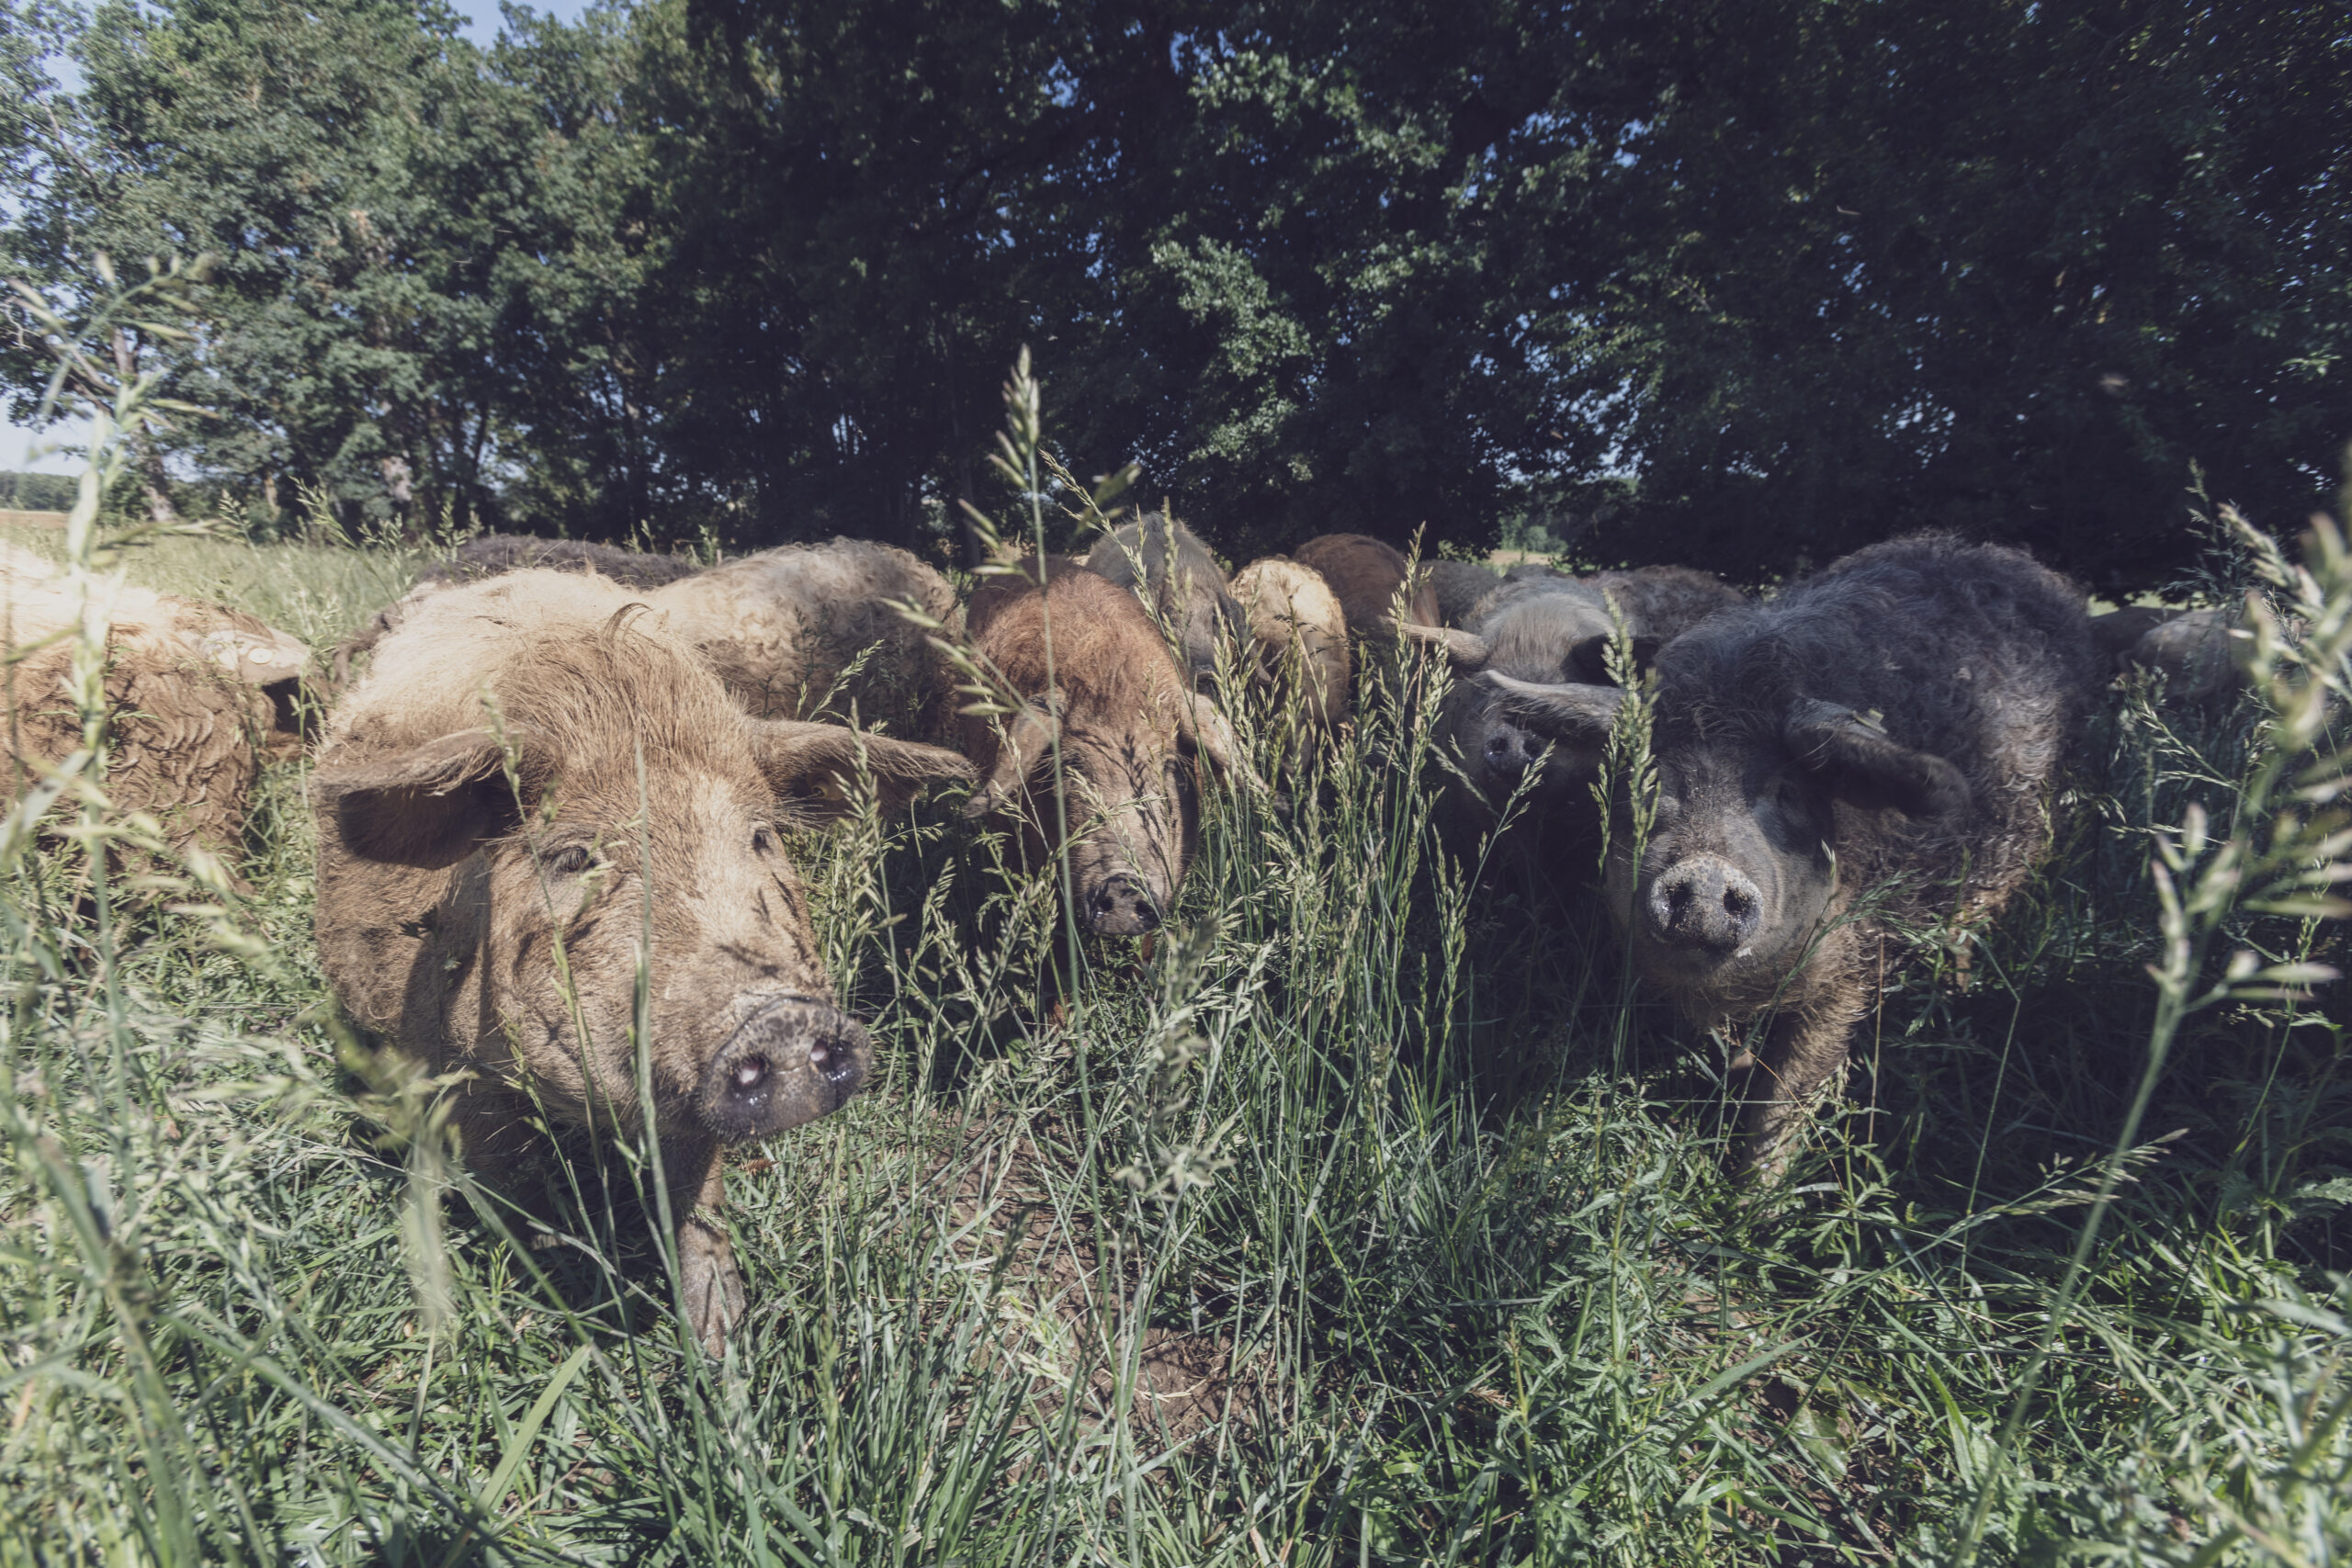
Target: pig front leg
x=709 y=1280
x=1806 y=1056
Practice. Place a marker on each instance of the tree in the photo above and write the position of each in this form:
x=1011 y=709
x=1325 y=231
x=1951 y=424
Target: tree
x=1271 y=249
x=2007 y=269
x=348 y=166
x=1745 y=286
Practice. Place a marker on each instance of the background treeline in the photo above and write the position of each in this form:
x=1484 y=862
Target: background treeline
x=1746 y=282
x=35 y=492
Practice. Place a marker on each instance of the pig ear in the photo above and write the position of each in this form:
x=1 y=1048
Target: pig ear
x=1575 y=711
x=425 y=807
x=815 y=767
x=1463 y=650
x=1026 y=741
x=1200 y=722
x=1868 y=767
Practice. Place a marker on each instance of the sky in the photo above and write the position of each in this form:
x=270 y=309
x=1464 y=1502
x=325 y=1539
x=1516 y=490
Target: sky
x=17 y=442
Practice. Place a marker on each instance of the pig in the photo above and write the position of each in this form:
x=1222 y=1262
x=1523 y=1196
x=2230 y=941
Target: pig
x=1181 y=584
x=807 y=629
x=1459 y=585
x=1299 y=637
x=1874 y=749
x=199 y=696
x=2194 y=652
x=1549 y=628
x=2117 y=632
x=1131 y=728
x=540 y=785
x=495 y=554
x=1366 y=575
x=2189 y=650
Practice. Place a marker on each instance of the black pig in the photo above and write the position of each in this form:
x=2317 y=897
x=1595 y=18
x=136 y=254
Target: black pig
x=1892 y=724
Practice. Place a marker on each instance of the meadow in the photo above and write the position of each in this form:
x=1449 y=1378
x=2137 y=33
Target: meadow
x=1372 y=1213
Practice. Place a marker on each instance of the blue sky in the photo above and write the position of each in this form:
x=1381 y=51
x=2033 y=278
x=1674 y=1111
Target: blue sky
x=483 y=27
x=15 y=441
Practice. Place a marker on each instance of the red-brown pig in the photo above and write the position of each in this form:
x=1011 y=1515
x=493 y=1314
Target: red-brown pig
x=1098 y=688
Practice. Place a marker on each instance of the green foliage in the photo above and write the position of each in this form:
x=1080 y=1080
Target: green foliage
x=2009 y=268
x=1745 y=286
x=35 y=492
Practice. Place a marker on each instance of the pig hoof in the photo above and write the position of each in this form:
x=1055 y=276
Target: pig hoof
x=712 y=1285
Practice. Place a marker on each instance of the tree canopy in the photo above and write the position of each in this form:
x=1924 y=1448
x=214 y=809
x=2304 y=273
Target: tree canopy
x=1743 y=285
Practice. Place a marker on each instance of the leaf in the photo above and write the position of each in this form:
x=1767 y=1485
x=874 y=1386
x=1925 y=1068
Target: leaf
x=519 y=1445
x=2315 y=907
x=2301 y=974
x=2309 y=1317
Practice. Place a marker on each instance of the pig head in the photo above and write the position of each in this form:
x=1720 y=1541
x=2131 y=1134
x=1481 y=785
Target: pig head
x=1102 y=751
x=1550 y=630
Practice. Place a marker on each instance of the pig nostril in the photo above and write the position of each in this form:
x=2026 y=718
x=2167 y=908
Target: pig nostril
x=750 y=1071
x=831 y=1060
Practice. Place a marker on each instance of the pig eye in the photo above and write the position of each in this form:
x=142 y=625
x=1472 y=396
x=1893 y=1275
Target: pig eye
x=762 y=840
x=570 y=861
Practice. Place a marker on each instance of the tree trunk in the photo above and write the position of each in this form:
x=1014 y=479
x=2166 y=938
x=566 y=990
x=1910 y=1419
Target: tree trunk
x=155 y=483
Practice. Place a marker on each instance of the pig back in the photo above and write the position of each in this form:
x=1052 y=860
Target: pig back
x=1168 y=568
x=1366 y=574
x=807 y=629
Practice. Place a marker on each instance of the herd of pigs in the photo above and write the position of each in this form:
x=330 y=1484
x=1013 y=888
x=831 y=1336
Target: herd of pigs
x=554 y=758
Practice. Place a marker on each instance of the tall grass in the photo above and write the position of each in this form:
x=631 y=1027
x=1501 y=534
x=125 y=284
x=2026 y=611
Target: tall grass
x=1374 y=1216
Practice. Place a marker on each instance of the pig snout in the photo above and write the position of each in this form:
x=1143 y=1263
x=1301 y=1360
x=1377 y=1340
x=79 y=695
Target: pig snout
x=1705 y=902
x=1509 y=751
x=793 y=1061
x=1121 y=906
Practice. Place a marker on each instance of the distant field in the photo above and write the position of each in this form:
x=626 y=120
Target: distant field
x=1452 y=1274
x=320 y=594
x=50 y=520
